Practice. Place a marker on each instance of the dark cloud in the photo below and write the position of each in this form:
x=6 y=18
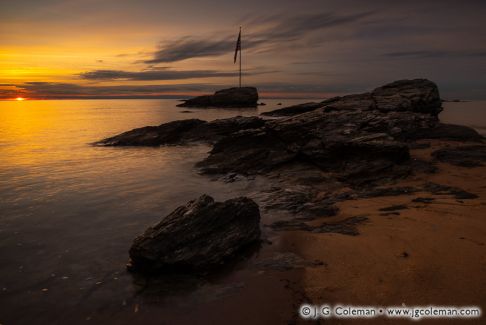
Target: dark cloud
x=52 y=90
x=186 y=48
x=159 y=74
x=56 y=90
x=162 y=74
x=282 y=29
x=423 y=54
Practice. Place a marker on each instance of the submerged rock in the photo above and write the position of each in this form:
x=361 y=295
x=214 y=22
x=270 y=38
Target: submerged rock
x=198 y=236
x=231 y=97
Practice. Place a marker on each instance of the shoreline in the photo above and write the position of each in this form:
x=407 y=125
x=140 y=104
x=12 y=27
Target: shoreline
x=327 y=238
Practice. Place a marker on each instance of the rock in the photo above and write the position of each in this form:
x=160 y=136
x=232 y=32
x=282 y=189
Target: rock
x=231 y=97
x=286 y=262
x=387 y=191
x=345 y=227
x=394 y=207
x=300 y=200
x=347 y=134
x=353 y=134
x=167 y=133
x=294 y=110
x=246 y=152
x=418 y=95
x=423 y=166
x=199 y=236
x=440 y=189
x=183 y=131
x=423 y=200
x=444 y=132
x=464 y=156
x=350 y=102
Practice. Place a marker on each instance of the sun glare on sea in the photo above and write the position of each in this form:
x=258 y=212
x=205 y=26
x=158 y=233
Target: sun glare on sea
x=19 y=99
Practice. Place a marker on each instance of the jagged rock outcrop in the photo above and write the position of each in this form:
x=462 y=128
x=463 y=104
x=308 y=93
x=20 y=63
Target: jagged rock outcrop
x=364 y=137
x=417 y=95
x=231 y=97
x=198 y=236
x=183 y=131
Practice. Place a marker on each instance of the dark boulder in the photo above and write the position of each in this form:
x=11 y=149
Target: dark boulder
x=231 y=97
x=198 y=236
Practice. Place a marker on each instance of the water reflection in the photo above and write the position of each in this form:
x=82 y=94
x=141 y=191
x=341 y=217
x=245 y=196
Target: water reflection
x=69 y=211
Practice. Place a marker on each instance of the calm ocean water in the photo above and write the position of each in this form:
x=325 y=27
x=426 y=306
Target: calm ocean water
x=69 y=211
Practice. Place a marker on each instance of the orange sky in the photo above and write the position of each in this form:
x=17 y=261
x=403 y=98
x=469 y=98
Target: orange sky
x=148 y=48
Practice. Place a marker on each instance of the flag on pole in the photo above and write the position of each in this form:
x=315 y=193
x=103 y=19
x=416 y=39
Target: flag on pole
x=238 y=46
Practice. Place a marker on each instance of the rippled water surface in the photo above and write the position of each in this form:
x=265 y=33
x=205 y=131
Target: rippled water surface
x=69 y=210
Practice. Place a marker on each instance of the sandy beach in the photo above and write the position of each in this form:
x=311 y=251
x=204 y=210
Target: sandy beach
x=427 y=254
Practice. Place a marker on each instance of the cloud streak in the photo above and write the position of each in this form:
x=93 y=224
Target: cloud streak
x=425 y=54
x=280 y=30
x=57 y=90
x=158 y=74
x=162 y=74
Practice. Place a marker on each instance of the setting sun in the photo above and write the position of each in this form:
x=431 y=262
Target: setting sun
x=20 y=99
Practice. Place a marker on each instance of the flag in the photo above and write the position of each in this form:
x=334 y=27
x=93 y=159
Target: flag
x=238 y=46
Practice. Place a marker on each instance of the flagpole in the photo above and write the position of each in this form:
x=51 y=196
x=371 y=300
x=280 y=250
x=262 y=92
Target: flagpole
x=240 y=57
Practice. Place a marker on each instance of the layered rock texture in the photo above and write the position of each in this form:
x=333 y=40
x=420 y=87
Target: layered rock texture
x=198 y=236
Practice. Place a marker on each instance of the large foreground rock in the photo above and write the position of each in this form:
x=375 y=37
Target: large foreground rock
x=231 y=97
x=198 y=236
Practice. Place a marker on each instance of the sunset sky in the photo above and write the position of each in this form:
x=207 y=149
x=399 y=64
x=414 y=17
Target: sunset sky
x=149 y=48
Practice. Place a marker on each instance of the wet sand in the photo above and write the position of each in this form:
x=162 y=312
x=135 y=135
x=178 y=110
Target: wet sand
x=429 y=254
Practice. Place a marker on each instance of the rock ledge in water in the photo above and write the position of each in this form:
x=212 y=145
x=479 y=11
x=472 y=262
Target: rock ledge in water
x=230 y=97
x=197 y=236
